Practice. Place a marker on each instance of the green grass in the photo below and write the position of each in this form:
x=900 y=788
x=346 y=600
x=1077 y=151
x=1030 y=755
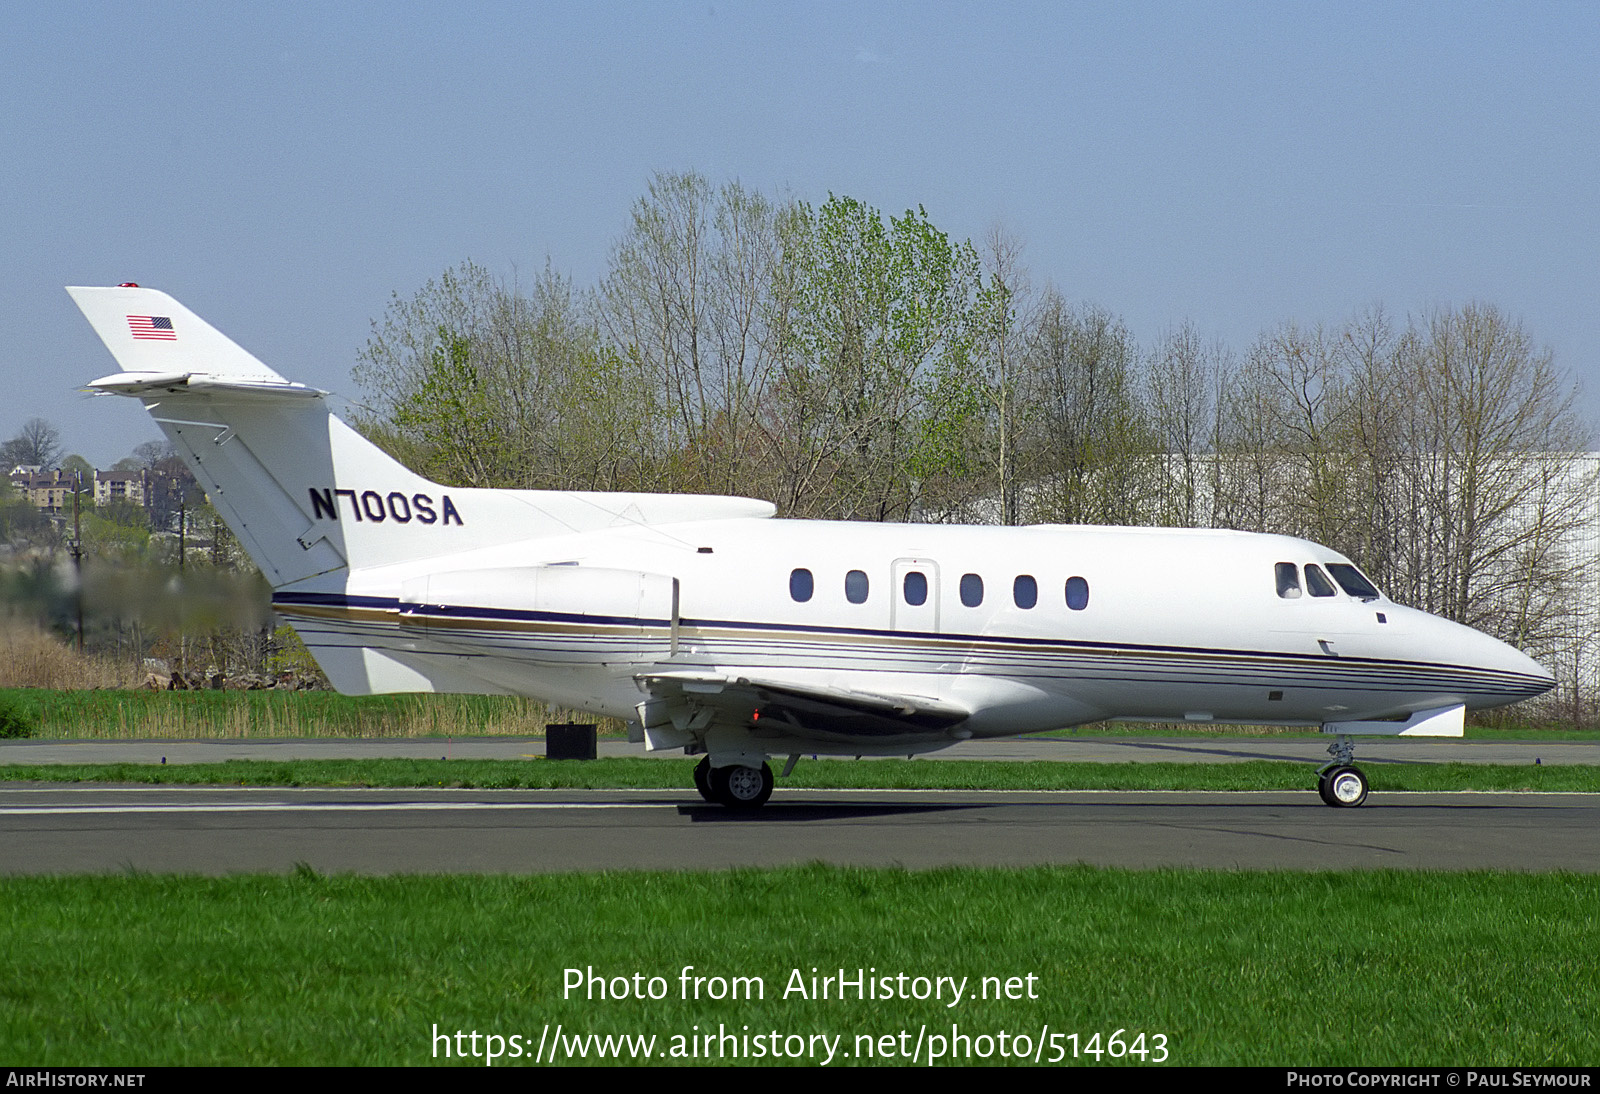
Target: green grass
x=183 y=715
x=675 y=774
x=1376 y=968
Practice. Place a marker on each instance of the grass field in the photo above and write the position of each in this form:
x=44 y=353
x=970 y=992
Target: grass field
x=1228 y=968
x=124 y=714
x=111 y=714
x=675 y=774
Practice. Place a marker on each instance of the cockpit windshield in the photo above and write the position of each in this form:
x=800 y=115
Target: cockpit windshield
x=1317 y=582
x=1353 y=581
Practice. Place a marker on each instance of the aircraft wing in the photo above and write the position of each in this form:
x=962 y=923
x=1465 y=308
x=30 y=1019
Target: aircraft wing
x=692 y=700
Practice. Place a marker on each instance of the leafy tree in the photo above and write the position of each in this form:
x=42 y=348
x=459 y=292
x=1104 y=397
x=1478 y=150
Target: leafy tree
x=477 y=383
x=24 y=525
x=879 y=396
x=120 y=530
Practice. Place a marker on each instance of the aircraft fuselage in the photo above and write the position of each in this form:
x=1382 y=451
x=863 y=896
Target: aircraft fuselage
x=1027 y=628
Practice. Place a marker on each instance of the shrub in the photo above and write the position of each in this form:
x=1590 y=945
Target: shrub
x=15 y=720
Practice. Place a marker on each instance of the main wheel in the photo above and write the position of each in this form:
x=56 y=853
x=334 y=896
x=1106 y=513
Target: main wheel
x=1343 y=787
x=702 y=779
x=740 y=787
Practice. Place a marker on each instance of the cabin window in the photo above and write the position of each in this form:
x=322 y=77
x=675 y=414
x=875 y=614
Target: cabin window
x=1318 y=582
x=916 y=588
x=1288 y=580
x=1077 y=593
x=971 y=590
x=855 y=586
x=801 y=585
x=1025 y=591
x=1353 y=581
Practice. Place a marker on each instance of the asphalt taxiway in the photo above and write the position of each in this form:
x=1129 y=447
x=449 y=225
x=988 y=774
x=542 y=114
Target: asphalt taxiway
x=95 y=829
x=91 y=828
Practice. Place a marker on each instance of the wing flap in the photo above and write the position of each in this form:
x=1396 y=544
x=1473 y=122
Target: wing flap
x=818 y=711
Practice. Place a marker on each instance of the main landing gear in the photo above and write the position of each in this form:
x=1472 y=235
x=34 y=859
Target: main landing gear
x=1338 y=782
x=735 y=786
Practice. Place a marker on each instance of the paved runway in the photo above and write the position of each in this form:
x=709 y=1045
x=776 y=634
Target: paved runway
x=212 y=831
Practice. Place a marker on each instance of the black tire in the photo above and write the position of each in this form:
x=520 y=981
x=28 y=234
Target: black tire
x=1322 y=788
x=740 y=787
x=702 y=779
x=1345 y=787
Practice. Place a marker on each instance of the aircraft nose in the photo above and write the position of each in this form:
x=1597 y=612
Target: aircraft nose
x=1497 y=672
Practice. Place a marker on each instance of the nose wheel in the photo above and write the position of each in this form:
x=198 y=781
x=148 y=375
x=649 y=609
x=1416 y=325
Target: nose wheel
x=1342 y=786
x=1340 y=783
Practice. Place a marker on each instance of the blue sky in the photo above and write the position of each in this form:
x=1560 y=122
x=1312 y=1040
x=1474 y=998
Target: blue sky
x=283 y=169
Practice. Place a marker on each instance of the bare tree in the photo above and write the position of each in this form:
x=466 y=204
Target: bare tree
x=153 y=454
x=1088 y=449
x=1003 y=306
x=1181 y=393
x=687 y=302
x=1445 y=458
x=38 y=443
x=1499 y=490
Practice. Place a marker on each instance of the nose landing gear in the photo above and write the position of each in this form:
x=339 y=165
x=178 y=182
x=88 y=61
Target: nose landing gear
x=1338 y=782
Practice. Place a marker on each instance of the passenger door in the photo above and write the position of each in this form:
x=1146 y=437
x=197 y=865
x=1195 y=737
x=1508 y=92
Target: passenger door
x=914 y=598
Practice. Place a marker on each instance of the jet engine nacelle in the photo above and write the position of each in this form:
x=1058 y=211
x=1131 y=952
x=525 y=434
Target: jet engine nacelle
x=627 y=601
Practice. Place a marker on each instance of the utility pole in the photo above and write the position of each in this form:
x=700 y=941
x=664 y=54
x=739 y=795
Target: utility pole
x=77 y=555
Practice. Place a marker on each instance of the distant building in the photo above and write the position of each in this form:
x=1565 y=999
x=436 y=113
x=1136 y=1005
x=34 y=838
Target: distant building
x=115 y=486
x=49 y=491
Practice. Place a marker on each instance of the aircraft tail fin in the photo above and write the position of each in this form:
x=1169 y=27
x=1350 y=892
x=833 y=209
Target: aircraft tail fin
x=270 y=454
x=305 y=493
x=148 y=331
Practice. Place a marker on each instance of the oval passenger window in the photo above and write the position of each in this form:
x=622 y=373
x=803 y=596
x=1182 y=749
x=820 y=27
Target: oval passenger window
x=1025 y=591
x=971 y=590
x=1077 y=593
x=916 y=587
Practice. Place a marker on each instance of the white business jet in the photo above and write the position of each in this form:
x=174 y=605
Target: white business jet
x=710 y=626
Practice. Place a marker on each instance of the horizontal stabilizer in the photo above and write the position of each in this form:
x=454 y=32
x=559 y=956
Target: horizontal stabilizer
x=177 y=383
